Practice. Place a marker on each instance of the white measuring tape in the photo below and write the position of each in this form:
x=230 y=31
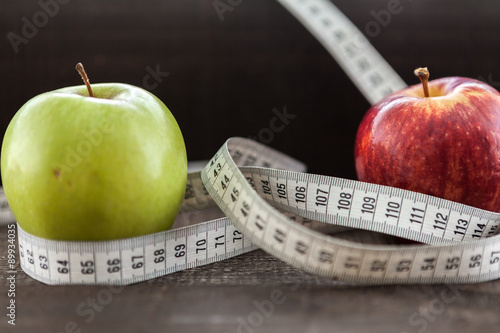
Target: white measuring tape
x=253 y=184
x=369 y=71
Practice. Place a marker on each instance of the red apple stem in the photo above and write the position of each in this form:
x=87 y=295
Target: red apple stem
x=423 y=75
x=85 y=78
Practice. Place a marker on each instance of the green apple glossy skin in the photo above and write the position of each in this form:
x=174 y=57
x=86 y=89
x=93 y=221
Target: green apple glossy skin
x=446 y=145
x=80 y=168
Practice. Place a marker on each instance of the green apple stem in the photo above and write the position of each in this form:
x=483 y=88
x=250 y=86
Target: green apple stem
x=423 y=75
x=85 y=78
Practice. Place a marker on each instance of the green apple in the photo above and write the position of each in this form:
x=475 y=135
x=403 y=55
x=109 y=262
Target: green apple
x=111 y=166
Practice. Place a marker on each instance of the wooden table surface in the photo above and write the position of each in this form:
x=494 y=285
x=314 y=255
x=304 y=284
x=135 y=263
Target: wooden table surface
x=253 y=292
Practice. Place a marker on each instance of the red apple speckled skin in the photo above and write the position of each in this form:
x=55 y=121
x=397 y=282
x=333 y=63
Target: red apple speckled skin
x=446 y=145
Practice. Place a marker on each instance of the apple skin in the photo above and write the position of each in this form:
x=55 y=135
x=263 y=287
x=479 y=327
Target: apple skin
x=94 y=168
x=446 y=145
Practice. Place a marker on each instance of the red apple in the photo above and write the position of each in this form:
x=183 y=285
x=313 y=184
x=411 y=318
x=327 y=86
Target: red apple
x=446 y=144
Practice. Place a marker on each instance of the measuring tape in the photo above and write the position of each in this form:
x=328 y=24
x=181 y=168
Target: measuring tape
x=366 y=68
x=268 y=202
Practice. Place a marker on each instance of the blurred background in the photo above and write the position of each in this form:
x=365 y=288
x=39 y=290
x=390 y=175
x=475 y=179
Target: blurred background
x=222 y=75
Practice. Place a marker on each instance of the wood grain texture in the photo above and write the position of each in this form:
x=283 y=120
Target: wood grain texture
x=250 y=293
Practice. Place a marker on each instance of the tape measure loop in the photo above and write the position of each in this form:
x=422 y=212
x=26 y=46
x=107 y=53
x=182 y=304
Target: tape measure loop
x=326 y=197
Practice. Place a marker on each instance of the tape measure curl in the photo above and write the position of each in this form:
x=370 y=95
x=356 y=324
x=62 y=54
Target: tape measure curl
x=458 y=259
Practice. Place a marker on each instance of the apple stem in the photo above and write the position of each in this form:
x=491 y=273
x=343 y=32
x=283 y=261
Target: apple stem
x=423 y=75
x=85 y=78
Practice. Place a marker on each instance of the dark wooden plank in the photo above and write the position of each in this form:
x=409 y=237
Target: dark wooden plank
x=250 y=293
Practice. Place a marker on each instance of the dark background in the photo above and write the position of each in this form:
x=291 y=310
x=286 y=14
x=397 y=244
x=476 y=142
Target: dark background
x=225 y=77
